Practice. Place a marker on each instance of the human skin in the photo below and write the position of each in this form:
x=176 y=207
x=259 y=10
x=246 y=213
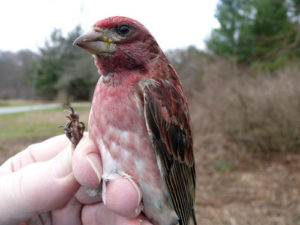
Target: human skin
x=46 y=184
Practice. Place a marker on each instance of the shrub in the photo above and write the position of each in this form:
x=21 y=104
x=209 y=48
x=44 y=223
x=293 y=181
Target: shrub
x=261 y=112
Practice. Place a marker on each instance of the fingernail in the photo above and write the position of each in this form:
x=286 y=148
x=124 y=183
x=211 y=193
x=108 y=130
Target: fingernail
x=138 y=210
x=138 y=190
x=90 y=158
x=63 y=163
x=92 y=192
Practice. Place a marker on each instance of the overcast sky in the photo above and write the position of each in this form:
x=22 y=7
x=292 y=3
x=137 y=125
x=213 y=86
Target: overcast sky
x=174 y=23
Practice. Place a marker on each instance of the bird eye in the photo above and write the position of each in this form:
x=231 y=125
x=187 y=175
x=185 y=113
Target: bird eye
x=123 y=29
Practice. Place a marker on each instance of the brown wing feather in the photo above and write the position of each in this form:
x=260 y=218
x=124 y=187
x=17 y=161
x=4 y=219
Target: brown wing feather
x=167 y=120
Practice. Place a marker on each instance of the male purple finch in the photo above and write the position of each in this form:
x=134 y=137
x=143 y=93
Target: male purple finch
x=139 y=119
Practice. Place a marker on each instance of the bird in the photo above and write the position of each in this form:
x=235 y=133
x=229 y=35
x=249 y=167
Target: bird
x=139 y=119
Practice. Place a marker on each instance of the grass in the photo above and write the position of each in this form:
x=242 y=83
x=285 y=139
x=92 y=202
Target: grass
x=20 y=128
x=223 y=166
x=26 y=124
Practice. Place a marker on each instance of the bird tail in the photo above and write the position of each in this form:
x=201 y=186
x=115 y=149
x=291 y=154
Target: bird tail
x=194 y=218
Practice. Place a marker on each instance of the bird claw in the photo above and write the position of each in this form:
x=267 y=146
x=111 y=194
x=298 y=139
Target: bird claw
x=74 y=129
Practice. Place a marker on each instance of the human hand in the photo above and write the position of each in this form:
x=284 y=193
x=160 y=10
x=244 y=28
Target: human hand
x=38 y=186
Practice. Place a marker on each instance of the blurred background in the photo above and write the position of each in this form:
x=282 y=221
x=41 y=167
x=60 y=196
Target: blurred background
x=239 y=62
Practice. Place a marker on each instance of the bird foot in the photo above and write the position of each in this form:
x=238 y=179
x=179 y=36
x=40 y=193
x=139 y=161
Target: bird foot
x=74 y=129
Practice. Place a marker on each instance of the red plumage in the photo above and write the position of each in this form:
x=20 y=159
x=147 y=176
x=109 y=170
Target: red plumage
x=140 y=120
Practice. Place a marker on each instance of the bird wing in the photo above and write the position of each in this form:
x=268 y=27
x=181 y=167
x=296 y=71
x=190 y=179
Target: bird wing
x=167 y=120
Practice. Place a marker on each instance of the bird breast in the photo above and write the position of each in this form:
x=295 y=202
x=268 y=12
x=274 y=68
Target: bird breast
x=117 y=125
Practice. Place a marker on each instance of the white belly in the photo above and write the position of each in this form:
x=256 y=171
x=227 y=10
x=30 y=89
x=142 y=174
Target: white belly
x=156 y=205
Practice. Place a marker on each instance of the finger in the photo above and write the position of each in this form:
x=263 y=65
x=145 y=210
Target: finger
x=99 y=214
x=126 y=202
x=87 y=170
x=37 y=188
x=69 y=214
x=84 y=198
x=87 y=163
x=35 y=153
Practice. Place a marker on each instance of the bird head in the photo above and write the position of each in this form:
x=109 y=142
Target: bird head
x=119 y=43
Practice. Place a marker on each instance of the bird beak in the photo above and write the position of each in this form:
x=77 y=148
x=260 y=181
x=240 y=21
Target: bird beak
x=95 y=42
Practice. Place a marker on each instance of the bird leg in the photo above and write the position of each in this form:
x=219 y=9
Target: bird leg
x=74 y=129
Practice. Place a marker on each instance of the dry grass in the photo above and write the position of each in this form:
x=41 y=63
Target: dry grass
x=246 y=140
x=260 y=112
x=22 y=129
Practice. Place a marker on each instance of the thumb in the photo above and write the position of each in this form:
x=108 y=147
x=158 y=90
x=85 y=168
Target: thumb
x=36 y=188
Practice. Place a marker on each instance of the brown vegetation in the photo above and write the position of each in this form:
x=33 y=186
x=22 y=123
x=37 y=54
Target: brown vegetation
x=257 y=111
x=246 y=138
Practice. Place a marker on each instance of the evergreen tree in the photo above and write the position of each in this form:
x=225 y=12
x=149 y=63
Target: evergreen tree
x=63 y=71
x=255 y=30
